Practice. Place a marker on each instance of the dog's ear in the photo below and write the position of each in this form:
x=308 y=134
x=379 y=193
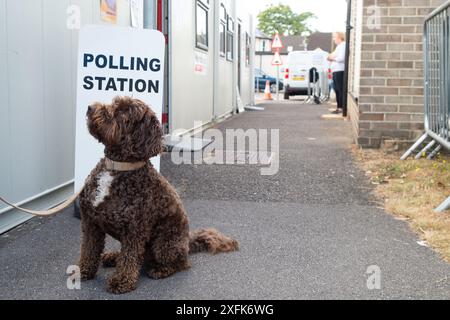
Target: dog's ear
x=153 y=132
x=112 y=133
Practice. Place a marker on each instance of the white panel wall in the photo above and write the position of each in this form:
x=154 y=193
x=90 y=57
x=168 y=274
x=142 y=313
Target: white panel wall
x=191 y=93
x=5 y=114
x=226 y=84
x=36 y=112
x=225 y=87
x=246 y=70
x=37 y=94
x=26 y=144
x=38 y=56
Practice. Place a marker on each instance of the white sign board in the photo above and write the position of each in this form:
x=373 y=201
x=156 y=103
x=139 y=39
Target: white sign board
x=115 y=61
x=276 y=60
x=200 y=63
x=276 y=42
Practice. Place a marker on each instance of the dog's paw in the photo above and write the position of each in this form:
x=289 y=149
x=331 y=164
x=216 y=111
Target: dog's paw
x=158 y=273
x=119 y=285
x=164 y=272
x=109 y=260
x=87 y=273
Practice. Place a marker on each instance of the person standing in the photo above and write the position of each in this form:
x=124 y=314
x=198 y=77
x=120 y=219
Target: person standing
x=337 y=59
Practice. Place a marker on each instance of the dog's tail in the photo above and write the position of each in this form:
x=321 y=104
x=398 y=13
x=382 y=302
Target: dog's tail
x=212 y=241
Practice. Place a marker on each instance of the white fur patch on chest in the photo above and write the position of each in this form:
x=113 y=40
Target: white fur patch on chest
x=104 y=185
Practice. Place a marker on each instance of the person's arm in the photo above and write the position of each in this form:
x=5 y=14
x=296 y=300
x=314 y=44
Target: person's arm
x=331 y=57
x=339 y=55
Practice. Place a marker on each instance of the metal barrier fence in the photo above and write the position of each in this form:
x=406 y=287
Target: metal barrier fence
x=318 y=89
x=436 y=88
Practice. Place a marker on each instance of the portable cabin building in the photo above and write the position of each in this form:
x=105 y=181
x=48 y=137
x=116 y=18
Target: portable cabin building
x=209 y=56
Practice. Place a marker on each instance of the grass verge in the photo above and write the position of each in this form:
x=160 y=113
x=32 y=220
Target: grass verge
x=411 y=190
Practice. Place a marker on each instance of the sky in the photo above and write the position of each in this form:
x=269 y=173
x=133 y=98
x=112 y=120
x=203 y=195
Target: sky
x=331 y=14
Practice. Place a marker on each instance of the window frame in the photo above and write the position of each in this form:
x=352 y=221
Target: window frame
x=202 y=5
x=231 y=26
x=248 y=49
x=223 y=17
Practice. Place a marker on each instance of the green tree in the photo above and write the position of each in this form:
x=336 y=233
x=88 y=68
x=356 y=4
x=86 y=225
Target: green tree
x=281 y=18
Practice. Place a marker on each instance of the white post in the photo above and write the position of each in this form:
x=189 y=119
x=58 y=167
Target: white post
x=149 y=14
x=252 y=61
x=216 y=58
x=278 y=83
x=235 y=56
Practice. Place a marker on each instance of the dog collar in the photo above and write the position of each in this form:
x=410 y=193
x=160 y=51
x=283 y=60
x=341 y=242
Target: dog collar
x=123 y=166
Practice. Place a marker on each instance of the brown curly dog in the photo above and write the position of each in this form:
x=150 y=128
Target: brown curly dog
x=126 y=198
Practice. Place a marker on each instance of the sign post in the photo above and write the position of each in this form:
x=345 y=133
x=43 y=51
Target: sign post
x=277 y=45
x=115 y=61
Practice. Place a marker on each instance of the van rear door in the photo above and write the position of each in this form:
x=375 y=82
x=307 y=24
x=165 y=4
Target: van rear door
x=298 y=65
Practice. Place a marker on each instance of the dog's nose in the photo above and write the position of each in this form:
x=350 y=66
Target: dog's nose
x=90 y=109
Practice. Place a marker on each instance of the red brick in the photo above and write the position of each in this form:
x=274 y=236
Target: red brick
x=399 y=82
x=400 y=29
x=411 y=108
x=384 y=125
x=400 y=64
x=385 y=91
x=372 y=82
x=372 y=116
x=402 y=12
x=401 y=117
x=411 y=91
x=384 y=108
x=388 y=38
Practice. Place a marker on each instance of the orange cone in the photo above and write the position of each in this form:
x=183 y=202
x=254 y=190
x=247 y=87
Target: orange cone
x=267 y=93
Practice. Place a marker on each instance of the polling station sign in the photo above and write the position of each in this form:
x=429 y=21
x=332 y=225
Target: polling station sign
x=114 y=61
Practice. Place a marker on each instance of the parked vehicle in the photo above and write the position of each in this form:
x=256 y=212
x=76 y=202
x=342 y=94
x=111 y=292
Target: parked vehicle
x=261 y=77
x=298 y=66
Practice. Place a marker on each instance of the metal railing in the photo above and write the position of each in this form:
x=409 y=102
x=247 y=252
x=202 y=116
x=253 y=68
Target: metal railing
x=318 y=89
x=436 y=88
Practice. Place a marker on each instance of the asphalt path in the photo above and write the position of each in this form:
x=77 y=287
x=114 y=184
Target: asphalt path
x=312 y=231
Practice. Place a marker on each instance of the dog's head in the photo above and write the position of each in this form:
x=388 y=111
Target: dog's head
x=127 y=127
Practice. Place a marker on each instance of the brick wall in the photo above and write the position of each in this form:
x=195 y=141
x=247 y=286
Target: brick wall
x=390 y=102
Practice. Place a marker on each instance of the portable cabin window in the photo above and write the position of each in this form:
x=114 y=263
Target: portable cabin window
x=223 y=28
x=230 y=39
x=248 y=45
x=202 y=21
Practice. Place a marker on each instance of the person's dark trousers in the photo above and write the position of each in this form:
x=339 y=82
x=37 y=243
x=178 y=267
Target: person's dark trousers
x=338 y=83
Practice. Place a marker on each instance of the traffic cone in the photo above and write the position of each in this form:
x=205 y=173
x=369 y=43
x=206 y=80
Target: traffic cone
x=267 y=93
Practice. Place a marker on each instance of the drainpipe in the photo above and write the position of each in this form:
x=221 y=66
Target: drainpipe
x=347 y=55
x=149 y=14
x=235 y=55
x=216 y=58
x=252 y=59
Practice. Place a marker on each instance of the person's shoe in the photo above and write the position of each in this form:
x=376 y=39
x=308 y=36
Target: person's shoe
x=335 y=111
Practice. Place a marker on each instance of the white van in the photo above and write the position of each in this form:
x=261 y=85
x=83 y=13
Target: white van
x=297 y=69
